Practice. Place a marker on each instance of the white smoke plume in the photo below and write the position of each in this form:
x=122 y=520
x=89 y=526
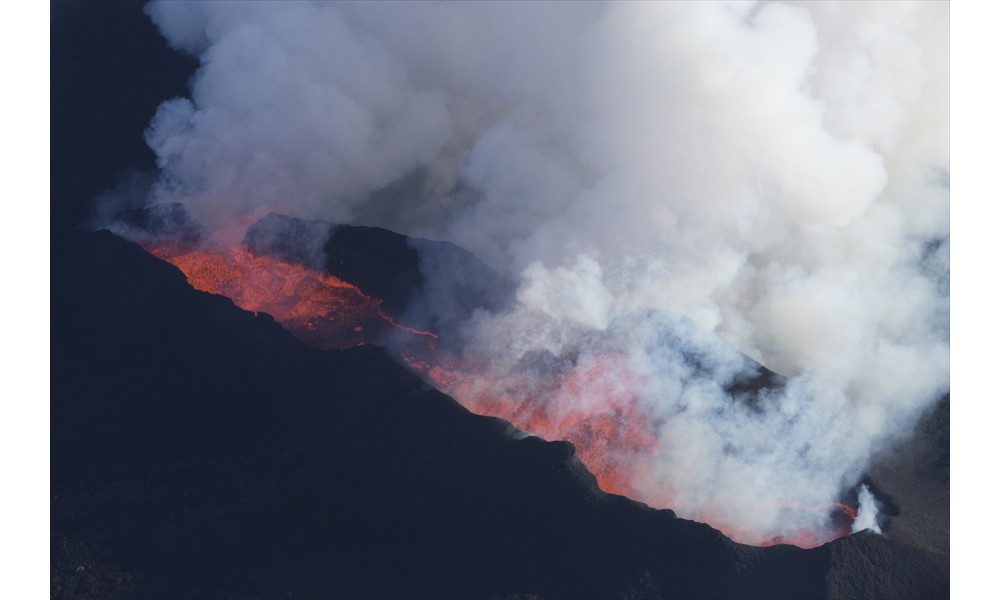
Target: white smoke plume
x=774 y=172
x=867 y=512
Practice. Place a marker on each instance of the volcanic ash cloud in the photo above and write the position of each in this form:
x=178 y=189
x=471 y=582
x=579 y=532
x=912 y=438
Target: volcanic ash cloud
x=775 y=173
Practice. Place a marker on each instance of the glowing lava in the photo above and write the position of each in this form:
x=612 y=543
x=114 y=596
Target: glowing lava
x=614 y=436
x=613 y=439
x=318 y=308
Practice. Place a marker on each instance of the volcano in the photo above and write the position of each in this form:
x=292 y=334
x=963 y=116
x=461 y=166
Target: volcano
x=200 y=450
x=211 y=439
x=320 y=283
x=285 y=267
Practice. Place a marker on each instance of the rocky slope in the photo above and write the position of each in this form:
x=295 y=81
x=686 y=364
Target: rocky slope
x=201 y=451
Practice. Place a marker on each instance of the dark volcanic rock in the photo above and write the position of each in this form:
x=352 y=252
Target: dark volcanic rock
x=294 y=240
x=200 y=451
x=912 y=483
x=869 y=565
x=424 y=284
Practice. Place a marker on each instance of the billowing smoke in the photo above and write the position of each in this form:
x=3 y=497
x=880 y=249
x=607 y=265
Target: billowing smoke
x=770 y=174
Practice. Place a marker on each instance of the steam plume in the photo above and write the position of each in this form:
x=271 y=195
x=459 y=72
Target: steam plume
x=775 y=172
x=867 y=512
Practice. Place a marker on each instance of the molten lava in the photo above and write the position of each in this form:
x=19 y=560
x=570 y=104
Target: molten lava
x=615 y=438
x=318 y=308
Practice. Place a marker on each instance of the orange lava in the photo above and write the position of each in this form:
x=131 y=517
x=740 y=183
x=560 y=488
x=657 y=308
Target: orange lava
x=614 y=436
x=318 y=308
x=612 y=439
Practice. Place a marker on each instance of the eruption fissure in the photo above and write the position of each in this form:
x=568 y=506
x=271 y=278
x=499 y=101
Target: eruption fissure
x=615 y=438
x=759 y=169
x=319 y=308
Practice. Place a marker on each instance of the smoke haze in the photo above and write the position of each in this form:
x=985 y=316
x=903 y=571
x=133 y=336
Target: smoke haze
x=658 y=177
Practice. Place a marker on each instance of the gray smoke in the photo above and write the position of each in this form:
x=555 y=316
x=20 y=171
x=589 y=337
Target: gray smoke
x=775 y=172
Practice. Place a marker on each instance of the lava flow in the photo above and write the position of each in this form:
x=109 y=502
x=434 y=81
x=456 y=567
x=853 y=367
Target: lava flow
x=318 y=308
x=614 y=437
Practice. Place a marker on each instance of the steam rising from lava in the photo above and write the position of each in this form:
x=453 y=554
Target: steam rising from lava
x=776 y=173
x=867 y=517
